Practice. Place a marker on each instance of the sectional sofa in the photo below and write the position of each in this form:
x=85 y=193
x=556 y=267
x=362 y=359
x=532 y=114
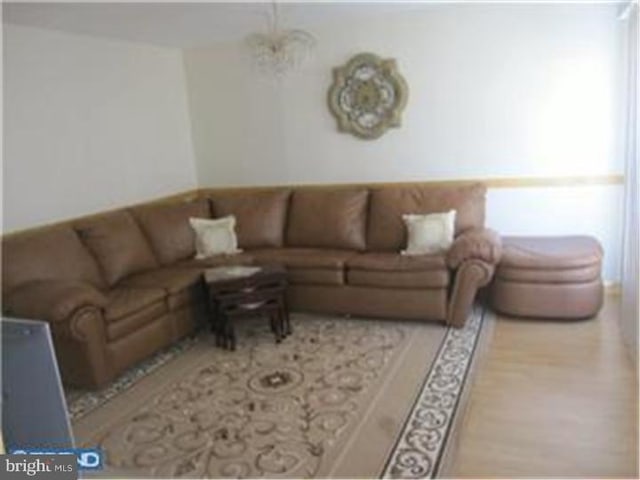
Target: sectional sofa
x=116 y=287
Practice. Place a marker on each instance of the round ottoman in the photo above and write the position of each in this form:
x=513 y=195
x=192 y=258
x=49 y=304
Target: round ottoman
x=548 y=277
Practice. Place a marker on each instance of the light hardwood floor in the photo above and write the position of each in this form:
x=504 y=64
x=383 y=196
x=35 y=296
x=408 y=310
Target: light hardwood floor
x=552 y=399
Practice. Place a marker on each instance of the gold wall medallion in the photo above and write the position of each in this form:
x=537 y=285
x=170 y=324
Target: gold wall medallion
x=367 y=95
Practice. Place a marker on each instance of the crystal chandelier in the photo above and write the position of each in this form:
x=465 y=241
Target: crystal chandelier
x=279 y=51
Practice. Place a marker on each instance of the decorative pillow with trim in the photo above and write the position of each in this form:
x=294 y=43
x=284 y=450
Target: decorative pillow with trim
x=430 y=233
x=215 y=237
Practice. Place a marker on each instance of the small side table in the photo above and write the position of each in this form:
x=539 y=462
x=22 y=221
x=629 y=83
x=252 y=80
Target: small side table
x=247 y=291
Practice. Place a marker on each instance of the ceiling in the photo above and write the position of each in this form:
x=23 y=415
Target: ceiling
x=187 y=24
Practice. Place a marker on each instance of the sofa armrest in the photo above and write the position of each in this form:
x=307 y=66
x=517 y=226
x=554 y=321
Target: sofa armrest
x=51 y=300
x=471 y=275
x=475 y=244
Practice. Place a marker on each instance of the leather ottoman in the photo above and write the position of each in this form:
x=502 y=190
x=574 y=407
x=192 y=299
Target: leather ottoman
x=549 y=277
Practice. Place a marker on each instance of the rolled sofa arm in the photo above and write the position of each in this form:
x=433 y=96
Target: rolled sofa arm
x=74 y=311
x=51 y=300
x=471 y=275
x=475 y=244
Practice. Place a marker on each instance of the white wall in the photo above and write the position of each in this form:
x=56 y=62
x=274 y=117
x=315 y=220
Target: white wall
x=90 y=124
x=495 y=91
x=585 y=210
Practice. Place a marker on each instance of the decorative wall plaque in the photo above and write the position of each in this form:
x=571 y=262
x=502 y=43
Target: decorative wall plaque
x=367 y=95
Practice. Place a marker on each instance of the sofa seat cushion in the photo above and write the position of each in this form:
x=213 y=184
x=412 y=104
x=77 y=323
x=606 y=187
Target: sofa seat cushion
x=571 y=259
x=425 y=279
x=260 y=216
x=308 y=266
x=124 y=326
x=547 y=275
x=167 y=228
x=315 y=276
x=183 y=285
x=217 y=261
x=394 y=262
x=304 y=257
x=392 y=270
x=172 y=280
x=550 y=253
x=118 y=244
x=124 y=301
x=183 y=298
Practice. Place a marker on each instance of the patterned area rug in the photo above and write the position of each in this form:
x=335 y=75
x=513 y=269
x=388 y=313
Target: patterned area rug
x=81 y=402
x=338 y=398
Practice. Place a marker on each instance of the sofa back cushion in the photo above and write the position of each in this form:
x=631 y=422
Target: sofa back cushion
x=167 y=228
x=47 y=254
x=386 y=230
x=118 y=244
x=260 y=216
x=329 y=218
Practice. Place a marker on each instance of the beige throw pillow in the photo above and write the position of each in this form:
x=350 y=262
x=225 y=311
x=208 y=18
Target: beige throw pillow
x=215 y=237
x=431 y=233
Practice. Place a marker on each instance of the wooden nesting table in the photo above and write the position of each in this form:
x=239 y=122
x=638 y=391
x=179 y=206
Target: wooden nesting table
x=238 y=291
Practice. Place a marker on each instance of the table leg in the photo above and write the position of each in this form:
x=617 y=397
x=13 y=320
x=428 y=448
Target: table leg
x=274 y=317
x=218 y=325
x=285 y=316
x=230 y=333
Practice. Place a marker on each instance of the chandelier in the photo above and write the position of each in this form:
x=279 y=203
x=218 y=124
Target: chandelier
x=279 y=51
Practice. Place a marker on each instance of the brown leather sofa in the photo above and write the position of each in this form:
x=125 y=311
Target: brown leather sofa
x=118 y=286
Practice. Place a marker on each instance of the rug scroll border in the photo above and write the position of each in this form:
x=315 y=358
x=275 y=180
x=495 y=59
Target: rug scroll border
x=425 y=432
